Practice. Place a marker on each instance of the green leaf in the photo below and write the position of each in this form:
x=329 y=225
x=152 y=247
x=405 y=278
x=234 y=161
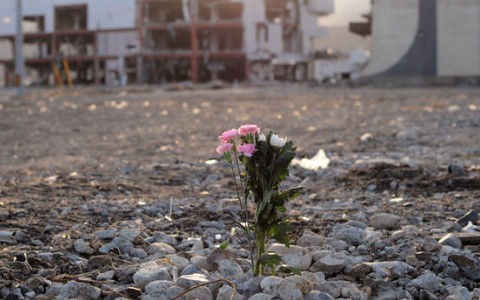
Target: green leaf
x=286 y=269
x=280 y=233
x=223 y=245
x=269 y=259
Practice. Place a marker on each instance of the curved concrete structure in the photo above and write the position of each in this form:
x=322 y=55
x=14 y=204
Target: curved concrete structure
x=395 y=25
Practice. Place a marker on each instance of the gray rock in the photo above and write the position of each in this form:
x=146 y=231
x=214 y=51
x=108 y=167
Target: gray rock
x=106 y=275
x=429 y=282
x=129 y=233
x=386 y=269
x=330 y=287
x=309 y=239
x=459 y=293
x=252 y=286
x=173 y=292
x=385 y=221
x=270 y=283
x=295 y=256
x=165 y=238
x=158 y=287
x=82 y=247
x=149 y=272
x=350 y=234
x=74 y=289
x=122 y=244
x=293 y=287
x=178 y=261
x=230 y=269
x=350 y=290
x=317 y=295
x=226 y=292
x=187 y=281
x=471 y=216
x=330 y=264
x=451 y=240
x=469 y=267
x=106 y=234
x=161 y=249
x=261 y=296
x=202 y=292
x=138 y=253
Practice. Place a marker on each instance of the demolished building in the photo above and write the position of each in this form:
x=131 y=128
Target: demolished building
x=159 y=41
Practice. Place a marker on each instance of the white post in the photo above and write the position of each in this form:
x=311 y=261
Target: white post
x=19 y=63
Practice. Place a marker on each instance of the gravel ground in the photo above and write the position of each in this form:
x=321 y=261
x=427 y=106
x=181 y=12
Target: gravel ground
x=106 y=193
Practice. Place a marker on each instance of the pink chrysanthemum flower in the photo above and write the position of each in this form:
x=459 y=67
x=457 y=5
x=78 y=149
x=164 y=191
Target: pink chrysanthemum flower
x=248 y=128
x=246 y=149
x=228 y=135
x=223 y=148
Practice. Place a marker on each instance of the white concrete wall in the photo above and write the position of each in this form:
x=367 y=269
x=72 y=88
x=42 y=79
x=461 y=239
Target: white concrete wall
x=310 y=29
x=394 y=28
x=102 y=14
x=115 y=43
x=458 y=38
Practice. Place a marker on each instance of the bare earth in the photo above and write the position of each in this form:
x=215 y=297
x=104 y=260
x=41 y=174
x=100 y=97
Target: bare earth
x=76 y=162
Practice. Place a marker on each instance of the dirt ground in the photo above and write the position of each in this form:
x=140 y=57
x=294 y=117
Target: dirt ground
x=92 y=157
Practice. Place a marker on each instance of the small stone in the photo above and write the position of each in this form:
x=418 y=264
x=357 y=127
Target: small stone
x=456 y=169
x=386 y=269
x=173 y=292
x=82 y=247
x=165 y=238
x=158 y=288
x=124 y=273
x=120 y=243
x=129 y=233
x=350 y=291
x=309 y=239
x=261 y=296
x=429 y=282
x=252 y=286
x=74 y=289
x=178 y=261
x=187 y=281
x=451 y=240
x=226 y=292
x=270 y=283
x=202 y=292
x=317 y=295
x=330 y=264
x=291 y=284
x=471 y=216
x=138 y=253
x=350 y=234
x=106 y=275
x=385 y=221
x=230 y=269
x=98 y=261
x=468 y=267
x=295 y=256
x=161 y=249
x=107 y=234
x=218 y=255
x=359 y=270
x=149 y=272
x=459 y=293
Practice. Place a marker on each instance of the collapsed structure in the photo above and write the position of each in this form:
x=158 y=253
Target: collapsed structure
x=157 y=41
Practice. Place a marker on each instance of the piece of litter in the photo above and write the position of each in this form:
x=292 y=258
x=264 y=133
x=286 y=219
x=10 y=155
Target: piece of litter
x=319 y=161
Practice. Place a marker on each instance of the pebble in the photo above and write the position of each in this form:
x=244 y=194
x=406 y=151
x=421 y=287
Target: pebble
x=317 y=295
x=270 y=283
x=74 y=289
x=106 y=234
x=295 y=256
x=330 y=264
x=106 y=275
x=350 y=234
x=385 y=221
x=226 y=292
x=82 y=247
x=230 y=269
x=429 y=282
x=471 y=216
x=451 y=240
x=161 y=249
x=261 y=296
x=149 y=272
x=158 y=288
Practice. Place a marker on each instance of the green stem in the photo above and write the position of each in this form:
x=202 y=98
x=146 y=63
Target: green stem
x=261 y=236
